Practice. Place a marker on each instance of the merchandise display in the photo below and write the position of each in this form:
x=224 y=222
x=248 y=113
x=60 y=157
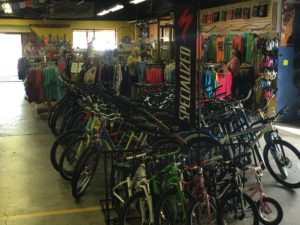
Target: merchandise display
x=174 y=113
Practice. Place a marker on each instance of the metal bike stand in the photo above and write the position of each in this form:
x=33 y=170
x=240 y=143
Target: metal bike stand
x=106 y=202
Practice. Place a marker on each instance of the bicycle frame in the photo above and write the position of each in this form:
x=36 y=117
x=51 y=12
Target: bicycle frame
x=259 y=133
x=199 y=190
x=258 y=188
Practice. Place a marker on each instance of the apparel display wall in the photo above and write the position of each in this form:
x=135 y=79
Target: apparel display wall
x=252 y=28
x=249 y=16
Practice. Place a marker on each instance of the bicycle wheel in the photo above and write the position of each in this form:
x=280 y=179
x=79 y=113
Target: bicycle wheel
x=53 y=109
x=237 y=209
x=171 y=209
x=60 y=144
x=70 y=157
x=270 y=212
x=283 y=162
x=165 y=143
x=59 y=122
x=199 y=213
x=202 y=146
x=71 y=119
x=137 y=210
x=84 y=171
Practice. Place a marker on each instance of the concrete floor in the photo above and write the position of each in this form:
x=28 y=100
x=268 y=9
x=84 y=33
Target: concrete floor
x=32 y=193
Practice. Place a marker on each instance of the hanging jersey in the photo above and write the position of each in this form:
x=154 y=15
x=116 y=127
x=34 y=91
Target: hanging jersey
x=219 y=46
x=237 y=42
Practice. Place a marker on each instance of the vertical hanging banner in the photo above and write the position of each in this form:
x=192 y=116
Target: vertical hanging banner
x=185 y=70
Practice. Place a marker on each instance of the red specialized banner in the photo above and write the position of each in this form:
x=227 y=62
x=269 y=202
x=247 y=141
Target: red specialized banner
x=185 y=38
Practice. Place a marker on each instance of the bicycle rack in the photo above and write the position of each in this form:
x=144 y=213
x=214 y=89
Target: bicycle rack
x=106 y=202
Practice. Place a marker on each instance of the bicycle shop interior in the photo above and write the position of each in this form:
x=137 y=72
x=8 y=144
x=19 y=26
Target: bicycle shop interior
x=149 y=112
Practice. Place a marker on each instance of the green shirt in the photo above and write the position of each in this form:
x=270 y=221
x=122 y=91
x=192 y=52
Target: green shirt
x=249 y=47
x=227 y=48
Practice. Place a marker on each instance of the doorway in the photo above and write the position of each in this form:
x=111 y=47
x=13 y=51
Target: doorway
x=10 y=52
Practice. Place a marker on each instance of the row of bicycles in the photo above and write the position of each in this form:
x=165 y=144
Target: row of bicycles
x=163 y=171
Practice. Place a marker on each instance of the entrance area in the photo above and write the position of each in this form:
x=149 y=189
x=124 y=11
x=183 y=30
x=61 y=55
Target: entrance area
x=10 y=52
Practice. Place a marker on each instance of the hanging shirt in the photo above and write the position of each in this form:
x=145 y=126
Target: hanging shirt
x=209 y=18
x=237 y=42
x=141 y=71
x=219 y=46
x=249 y=48
x=229 y=14
x=117 y=78
x=225 y=83
x=263 y=10
x=209 y=79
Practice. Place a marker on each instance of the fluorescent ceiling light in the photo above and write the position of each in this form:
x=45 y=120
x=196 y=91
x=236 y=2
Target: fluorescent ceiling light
x=7 y=7
x=79 y=3
x=136 y=1
x=102 y=13
x=115 y=8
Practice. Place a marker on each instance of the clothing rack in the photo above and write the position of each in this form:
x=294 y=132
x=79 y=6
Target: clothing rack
x=155 y=65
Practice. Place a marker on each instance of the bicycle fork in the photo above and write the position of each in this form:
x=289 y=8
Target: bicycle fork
x=149 y=200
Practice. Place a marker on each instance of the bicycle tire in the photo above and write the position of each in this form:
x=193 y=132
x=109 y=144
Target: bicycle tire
x=73 y=121
x=87 y=166
x=192 y=213
x=58 y=146
x=283 y=163
x=59 y=120
x=68 y=119
x=231 y=203
x=276 y=206
x=52 y=112
x=163 y=212
x=131 y=207
x=78 y=122
x=57 y=114
x=165 y=143
x=69 y=159
x=208 y=146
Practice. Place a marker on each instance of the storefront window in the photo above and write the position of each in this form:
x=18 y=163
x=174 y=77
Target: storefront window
x=104 y=39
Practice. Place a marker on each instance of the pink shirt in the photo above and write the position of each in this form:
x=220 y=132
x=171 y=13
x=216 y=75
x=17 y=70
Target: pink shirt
x=225 y=81
x=234 y=66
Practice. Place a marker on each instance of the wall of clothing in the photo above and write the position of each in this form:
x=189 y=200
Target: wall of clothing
x=252 y=47
x=115 y=75
x=43 y=83
x=258 y=57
